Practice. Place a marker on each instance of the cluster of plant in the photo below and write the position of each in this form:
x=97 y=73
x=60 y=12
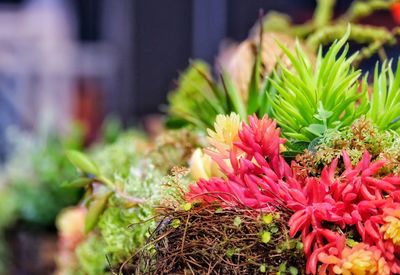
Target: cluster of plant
x=306 y=99
x=242 y=82
x=340 y=196
x=361 y=136
x=299 y=174
x=347 y=219
x=123 y=183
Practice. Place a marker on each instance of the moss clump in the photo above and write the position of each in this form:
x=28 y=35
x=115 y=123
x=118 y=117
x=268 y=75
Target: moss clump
x=361 y=136
x=91 y=257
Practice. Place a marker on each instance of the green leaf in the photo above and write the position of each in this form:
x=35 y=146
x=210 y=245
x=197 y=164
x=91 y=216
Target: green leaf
x=316 y=129
x=299 y=246
x=176 y=223
x=96 y=208
x=267 y=219
x=237 y=221
x=351 y=242
x=274 y=229
x=266 y=237
x=253 y=101
x=230 y=252
x=219 y=210
x=78 y=183
x=187 y=206
x=323 y=114
x=82 y=162
x=313 y=146
x=263 y=268
x=234 y=96
x=282 y=267
x=293 y=270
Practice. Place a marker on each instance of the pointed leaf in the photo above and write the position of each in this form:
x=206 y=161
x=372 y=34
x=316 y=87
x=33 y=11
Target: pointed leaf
x=82 y=162
x=96 y=208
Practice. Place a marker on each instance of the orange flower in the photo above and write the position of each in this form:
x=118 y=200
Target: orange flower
x=359 y=260
x=391 y=227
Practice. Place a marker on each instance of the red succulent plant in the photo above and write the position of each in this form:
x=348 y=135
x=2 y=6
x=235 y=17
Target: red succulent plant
x=323 y=207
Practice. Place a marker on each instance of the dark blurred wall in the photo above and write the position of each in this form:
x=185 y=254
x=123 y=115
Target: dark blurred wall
x=163 y=47
x=242 y=15
x=88 y=13
x=170 y=33
x=158 y=38
x=151 y=41
x=162 y=36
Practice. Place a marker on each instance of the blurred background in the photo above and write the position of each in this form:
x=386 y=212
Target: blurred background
x=83 y=59
x=69 y=61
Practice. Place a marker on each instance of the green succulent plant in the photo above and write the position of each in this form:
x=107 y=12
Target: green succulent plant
x=385 y=97
x=194 y=101
x=307 y=98
x=199 y=98
x=313 y=98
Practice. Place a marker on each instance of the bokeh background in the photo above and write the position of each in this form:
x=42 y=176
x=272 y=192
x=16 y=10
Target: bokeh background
x=83 y=59
x=68 y=61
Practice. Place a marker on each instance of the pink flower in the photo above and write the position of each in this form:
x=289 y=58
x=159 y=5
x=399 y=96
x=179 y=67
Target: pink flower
x=255 y=171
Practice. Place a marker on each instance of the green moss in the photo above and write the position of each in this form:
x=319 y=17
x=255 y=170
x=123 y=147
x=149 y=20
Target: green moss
x=92 y=257
x=124 y=230
x=361 y=136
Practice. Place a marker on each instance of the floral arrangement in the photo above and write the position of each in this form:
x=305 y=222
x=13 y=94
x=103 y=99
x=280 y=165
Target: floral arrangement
x=315 y=178
x=347 y=218
x=298 y=173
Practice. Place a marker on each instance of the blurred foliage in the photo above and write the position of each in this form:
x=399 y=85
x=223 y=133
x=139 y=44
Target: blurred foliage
x=199 y=98
x=90 y=257
x=30 y=180
x=34 y=171
x=324 y=28
x=33 y=177
x=133 y=170
x=8 y=210
x=192 y=97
